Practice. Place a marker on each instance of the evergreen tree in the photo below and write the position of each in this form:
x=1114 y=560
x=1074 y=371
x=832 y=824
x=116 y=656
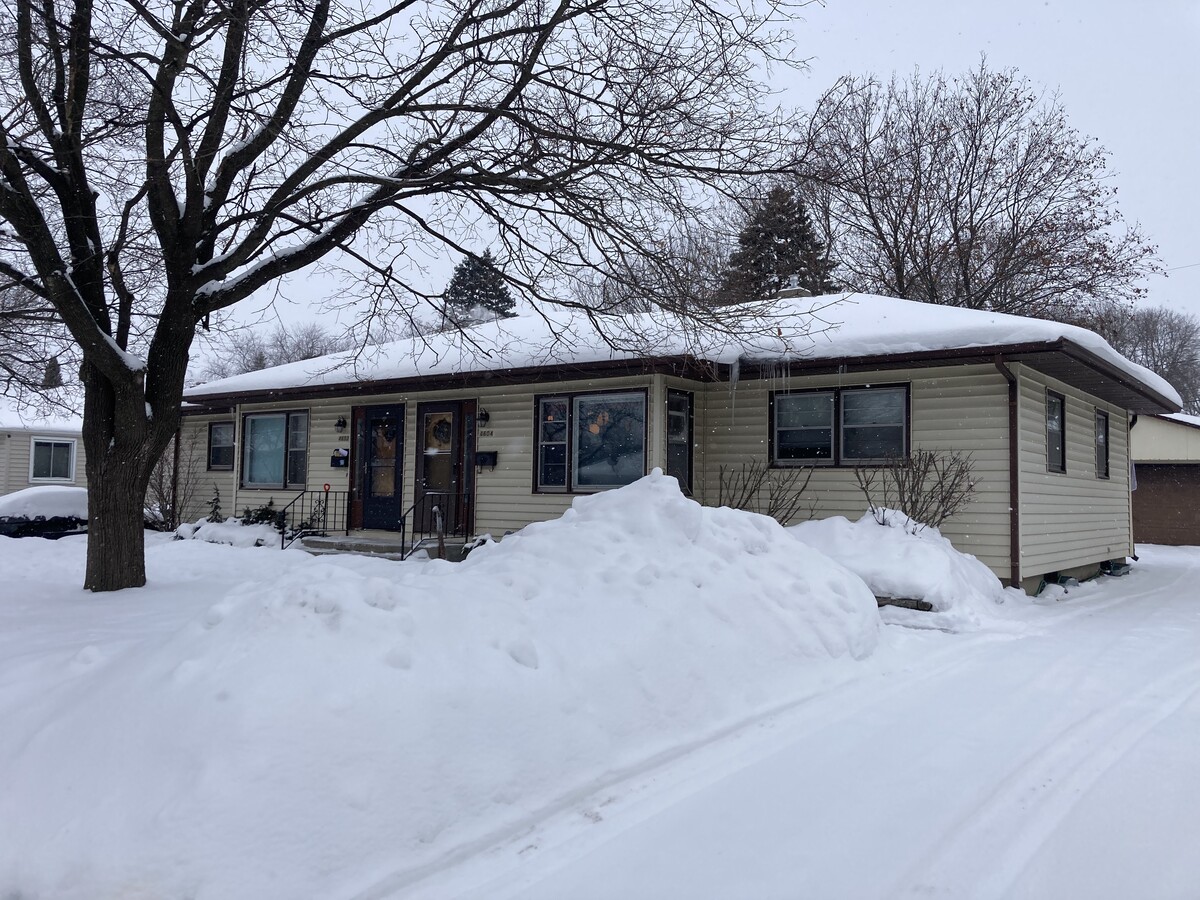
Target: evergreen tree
x=214 y=506
x=52 y=378
x=477 y=292
x=778 y=244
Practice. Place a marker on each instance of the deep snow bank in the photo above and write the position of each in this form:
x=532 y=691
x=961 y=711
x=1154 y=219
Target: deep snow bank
x=896 y=560
x=349 y=717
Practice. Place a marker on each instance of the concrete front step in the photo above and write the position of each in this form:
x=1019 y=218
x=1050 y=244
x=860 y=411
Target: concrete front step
x=386 y=545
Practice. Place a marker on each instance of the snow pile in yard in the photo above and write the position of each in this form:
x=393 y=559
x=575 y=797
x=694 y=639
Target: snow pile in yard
x=902 y=560
x=46 y=501
x=231 y=532
x=342 y=718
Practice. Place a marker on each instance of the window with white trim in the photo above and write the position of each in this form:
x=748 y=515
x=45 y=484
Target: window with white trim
x=51 y=459
x=839 y=426
x=590 y=442
x=220 y=446
x=275 y=450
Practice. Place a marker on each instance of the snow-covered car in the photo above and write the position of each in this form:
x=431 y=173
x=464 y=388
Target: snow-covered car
x=46 y=511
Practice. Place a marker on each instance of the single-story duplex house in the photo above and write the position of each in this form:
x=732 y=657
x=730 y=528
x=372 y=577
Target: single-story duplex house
x=503 y=425
x=38 y=450
x=1166 y=496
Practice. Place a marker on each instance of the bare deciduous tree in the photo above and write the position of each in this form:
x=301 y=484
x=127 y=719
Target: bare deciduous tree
x=238 y=352
x=175 y=482
x=1163 y=340
x=162 y=161
x=970 y=191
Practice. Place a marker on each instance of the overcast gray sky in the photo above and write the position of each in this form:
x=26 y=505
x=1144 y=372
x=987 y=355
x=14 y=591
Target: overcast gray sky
x=1128 y=74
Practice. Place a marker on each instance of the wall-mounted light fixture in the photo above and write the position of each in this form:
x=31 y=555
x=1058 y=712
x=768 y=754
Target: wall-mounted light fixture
x=483 y=417
x=340 y=424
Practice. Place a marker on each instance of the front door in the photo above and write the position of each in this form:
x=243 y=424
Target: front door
x=445 y=435
x=379 y=465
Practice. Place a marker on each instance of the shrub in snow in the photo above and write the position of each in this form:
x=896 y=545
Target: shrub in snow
x=352 y=715
x=903 y=559
x=261 y=515
x=755 y=487
x=231 y=532
x=214 y=506
x=926 y=486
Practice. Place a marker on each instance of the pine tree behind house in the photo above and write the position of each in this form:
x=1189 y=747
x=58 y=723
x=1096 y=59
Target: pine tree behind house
x=477 y=292
x=778 y=244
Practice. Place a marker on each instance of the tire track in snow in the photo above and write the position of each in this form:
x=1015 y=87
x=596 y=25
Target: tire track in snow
x=634 y=794
x=1026 y=808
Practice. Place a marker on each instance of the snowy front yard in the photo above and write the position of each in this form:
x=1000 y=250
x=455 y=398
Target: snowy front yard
x=702 y=707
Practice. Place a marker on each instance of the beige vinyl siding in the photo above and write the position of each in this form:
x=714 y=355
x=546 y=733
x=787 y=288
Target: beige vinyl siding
x=194 y=480
x=1071 y=519
x=961 y=408
x=1164 y=440
x=16 y=446
x=505 y=499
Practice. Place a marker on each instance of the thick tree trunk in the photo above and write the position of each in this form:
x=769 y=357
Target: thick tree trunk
x=116 y=523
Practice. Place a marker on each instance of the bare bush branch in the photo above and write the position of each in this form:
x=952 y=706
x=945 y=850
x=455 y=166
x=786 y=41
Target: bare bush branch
x=754 y=487
x=927 y=486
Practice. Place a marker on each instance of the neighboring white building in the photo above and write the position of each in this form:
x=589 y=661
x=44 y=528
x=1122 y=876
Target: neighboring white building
x=39 y=450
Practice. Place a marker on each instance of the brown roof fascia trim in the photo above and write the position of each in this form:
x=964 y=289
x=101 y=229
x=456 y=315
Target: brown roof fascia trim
x=883 y=361
x=205 y=409
x=684 y=366
x=1105 y=368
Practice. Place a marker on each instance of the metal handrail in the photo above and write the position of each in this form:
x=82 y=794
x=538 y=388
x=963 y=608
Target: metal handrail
x=313 y=513
x=432 y=503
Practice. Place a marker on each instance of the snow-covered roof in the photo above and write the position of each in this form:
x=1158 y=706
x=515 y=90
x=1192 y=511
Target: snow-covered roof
x=14 y=417
x=843 y=326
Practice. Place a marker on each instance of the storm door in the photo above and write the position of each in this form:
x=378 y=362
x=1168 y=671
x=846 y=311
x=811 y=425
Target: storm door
x=379 y=465
x=445 y=436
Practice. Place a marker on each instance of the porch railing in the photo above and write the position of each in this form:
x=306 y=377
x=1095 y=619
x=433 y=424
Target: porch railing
x=313 y=513
x=433 y=518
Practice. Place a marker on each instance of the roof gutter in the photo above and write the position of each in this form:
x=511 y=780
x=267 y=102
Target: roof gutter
x=1014 y=472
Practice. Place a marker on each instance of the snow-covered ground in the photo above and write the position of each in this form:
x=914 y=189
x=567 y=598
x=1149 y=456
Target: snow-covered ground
x=643 y=699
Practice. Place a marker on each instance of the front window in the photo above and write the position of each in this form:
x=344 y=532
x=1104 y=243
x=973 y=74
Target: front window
x=275 y=450
x=1101 y=444
x=804 y=427
x=1056 y=444
x=843 y=426
x=220 y=446
x=552 y=444
x=873 y=422
x=52 y=460
x=590 y=442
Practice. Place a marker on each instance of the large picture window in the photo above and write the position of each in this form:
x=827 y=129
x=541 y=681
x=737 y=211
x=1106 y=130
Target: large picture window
x=220 y=446
x=275 y=450
x=52 y=460
x=842 y=426
x=590 y=442
x=1056 y=432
